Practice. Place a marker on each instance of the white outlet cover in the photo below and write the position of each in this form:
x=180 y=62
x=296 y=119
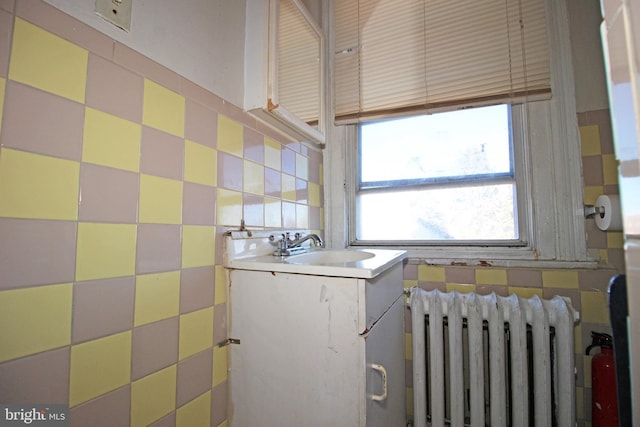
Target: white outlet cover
x=117 y=12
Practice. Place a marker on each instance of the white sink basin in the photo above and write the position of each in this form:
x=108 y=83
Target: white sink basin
x=360 y=263
x=329 y=256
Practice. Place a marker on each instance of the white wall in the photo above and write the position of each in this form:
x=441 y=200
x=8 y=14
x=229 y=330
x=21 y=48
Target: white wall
x=202 y=40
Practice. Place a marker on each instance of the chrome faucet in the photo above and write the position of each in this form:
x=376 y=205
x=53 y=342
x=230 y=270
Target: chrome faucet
x=287 y=246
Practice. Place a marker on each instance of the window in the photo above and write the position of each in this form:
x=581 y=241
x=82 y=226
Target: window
x=544 y=172
x=441 y=177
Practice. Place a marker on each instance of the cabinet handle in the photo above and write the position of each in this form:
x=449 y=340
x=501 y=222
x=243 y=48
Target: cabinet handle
x=383 y=372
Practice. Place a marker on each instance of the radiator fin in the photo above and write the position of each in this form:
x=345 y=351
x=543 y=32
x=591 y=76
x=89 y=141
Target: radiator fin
x=490 y=360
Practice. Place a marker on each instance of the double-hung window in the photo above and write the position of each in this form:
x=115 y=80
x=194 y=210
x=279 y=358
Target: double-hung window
x=462 y=136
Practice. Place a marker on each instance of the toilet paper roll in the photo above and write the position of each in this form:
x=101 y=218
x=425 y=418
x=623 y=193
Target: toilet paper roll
x=612 y=218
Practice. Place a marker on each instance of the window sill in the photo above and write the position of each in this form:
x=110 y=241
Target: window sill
x=488 y=257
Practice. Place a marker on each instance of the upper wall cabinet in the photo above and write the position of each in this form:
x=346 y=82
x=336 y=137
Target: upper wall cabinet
x=284 y=68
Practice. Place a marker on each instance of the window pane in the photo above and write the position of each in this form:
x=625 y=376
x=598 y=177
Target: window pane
x=453 y=144
x=468 y=213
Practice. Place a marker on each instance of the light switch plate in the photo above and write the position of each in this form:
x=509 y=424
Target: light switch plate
x=118 y=12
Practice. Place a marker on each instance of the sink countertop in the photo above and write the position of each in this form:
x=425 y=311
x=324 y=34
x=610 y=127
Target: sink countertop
x=366 y=268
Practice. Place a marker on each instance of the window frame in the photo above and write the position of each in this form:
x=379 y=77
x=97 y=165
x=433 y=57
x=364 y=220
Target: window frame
x=551 y=174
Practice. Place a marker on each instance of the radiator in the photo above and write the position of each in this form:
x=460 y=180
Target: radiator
x=483 y=360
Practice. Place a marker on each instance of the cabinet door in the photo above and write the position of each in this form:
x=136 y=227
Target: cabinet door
x=385 y=353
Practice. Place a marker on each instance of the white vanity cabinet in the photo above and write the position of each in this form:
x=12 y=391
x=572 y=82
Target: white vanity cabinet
x=316 y=350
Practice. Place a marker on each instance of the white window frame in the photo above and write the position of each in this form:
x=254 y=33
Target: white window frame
x=550 y=183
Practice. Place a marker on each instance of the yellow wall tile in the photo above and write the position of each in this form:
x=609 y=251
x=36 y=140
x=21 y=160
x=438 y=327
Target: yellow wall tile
x=153 y=396
x=314 y=194
x=196 y=332
x=220 y=365
x=230 y=136
x=594 y=307
x=105 y=250
x=3 y=83
x=272 y=212
x=111 y=141
x=157 y=297
x=34 y=320
x=163 y=109
x=288 y=183
x=610 y=169
x=430 y=273
x=200 y=164
x=99 y=366
x=48 y=62
x=591 y=193
x=590 y=140
x=560 y=279
x=198 y=246
x=409 y=283
x=302 y=216
x=615 y=240
x=272 y=154
x=493 y=276
x=221 y=285
x=228 y=207
x=226 y=424
x=525 y=292
x=36 y=186
x=253 y=178
x=302 y=166
x=160 y=200
x=604 y=255
x=409 y=402
x=460 y=287
x=408 y=346
x=195 y=413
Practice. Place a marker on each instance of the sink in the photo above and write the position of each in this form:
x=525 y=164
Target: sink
x=255 y=253
x=328 y=256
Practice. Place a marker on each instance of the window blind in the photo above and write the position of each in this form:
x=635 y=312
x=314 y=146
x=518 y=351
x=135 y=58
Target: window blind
x=400 y=57
x=298 y=64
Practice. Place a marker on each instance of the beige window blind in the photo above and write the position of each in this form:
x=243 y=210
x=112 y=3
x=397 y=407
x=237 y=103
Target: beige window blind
x=400 y=57
x=298 y=64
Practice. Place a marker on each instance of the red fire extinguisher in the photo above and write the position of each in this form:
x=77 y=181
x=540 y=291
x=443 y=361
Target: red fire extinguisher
x=604 y=400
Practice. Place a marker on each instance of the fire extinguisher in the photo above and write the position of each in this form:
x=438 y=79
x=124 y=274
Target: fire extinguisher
x=604 y=401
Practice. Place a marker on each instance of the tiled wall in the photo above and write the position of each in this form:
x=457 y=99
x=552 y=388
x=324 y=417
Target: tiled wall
x=587 y=288
x=117 y=179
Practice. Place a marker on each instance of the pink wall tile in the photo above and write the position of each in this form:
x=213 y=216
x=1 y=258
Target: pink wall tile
x=592 y=170
x=219 y=402
x=102 y=307
x=36 y=252
x=194 y=376
x=315 y=160
x=6 y=30
x=65 y=26
x=161 y=154
x=199 y=94
x=302 y=191
x=198 y=204
x=201 y=124
x=107 y=194
x=41 y=378
x=288 y=161
x=155 y=346
x=272 y=182
x=140 y=64
x=114 y=90
x=460 y=275
x=158 y=248
x=315 y=217
x=288 y=215
x=109 y=410
x=7 y=5
x=229 y=171
x=196 y=288
x=41 y=122
x=524 y=277
x=253 y=146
